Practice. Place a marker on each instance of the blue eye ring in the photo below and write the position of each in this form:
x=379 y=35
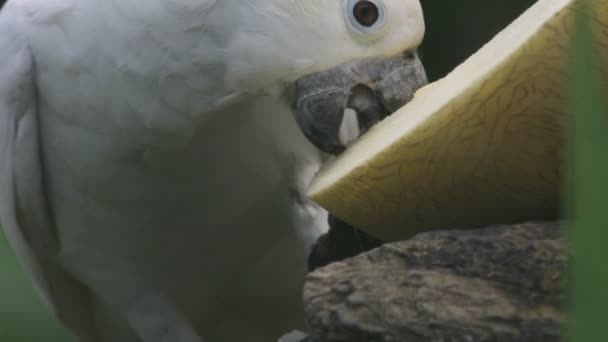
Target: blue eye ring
x=366 y=16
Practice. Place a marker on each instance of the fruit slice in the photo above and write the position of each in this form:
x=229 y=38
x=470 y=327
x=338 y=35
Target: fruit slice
x=482 y=145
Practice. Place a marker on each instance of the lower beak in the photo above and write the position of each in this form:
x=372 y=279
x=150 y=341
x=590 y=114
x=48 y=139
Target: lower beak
x=372 y=88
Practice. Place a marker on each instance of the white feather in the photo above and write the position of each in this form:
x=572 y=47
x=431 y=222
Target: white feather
x=144 y=181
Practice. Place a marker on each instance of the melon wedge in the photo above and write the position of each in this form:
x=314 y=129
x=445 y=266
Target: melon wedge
x=483 y=145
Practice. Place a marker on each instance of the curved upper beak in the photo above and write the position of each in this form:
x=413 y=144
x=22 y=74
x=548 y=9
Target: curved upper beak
x=372 y=88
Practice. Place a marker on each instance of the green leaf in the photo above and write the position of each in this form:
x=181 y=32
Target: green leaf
x=587 y=205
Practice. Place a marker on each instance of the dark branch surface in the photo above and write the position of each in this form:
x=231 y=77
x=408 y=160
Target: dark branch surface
x=500 y=283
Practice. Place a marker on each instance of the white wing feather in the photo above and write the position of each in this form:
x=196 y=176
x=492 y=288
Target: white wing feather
x=23 y=207
x=105 y=260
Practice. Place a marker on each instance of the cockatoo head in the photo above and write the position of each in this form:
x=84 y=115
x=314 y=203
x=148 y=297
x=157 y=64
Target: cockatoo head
x=330 y=55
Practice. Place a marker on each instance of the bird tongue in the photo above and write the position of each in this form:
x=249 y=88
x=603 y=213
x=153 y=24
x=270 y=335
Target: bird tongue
x=368 y=107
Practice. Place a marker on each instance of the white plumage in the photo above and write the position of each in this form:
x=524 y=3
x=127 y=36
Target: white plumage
x=150 y=179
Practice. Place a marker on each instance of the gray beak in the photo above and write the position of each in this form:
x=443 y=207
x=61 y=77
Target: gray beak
x=372 y=88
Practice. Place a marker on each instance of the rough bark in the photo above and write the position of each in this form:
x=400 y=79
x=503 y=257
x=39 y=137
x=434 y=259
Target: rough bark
x=501 y=283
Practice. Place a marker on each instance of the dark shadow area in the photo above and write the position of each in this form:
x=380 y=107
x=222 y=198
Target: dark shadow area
x=456 y=29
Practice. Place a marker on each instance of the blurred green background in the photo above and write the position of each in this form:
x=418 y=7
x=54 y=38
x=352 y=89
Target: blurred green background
x=455 y=29
x=23 y=318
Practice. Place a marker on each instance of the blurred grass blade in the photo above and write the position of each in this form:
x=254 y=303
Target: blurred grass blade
x=588 y=206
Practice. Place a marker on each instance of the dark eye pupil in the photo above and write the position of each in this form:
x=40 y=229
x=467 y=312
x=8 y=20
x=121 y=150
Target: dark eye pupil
x=366 y=13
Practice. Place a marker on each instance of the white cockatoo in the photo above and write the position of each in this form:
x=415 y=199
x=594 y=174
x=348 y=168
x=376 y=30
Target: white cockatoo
x=151 y=164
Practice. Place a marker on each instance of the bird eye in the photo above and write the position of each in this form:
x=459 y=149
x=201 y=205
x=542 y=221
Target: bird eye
x=365 y=15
